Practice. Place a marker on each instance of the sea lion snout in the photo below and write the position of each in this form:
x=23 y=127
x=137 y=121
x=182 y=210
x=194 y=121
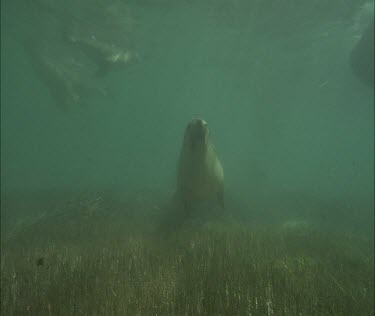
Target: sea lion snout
x=198 y=122
x=197 y=130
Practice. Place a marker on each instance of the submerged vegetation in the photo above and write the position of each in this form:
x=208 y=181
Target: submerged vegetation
x=96 y=257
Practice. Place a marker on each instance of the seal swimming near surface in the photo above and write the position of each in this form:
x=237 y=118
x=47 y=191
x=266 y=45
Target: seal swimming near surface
x=200 y=175
x=106 y=57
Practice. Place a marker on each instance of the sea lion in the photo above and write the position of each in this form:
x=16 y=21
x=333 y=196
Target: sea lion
x=106 y=57
x=200 y=175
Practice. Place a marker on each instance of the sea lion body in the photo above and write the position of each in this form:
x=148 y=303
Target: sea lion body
x=200 y=174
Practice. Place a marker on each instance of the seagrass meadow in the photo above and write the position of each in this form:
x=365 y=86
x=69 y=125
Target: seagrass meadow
x=97 y=257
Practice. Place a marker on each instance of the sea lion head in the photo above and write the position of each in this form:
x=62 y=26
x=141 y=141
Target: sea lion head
x=196 y=134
